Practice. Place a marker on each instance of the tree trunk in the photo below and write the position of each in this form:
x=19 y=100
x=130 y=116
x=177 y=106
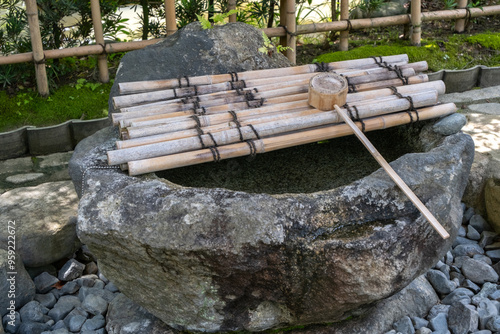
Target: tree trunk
x=270 y=21
x=145 y=19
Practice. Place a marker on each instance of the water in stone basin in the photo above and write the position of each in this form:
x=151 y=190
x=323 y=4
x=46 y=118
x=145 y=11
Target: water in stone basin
x=301 y=169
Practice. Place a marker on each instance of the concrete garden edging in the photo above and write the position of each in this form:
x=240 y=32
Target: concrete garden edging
x=30 y=140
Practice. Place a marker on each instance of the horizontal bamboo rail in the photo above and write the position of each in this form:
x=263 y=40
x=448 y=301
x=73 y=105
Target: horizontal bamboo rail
x=284 y=141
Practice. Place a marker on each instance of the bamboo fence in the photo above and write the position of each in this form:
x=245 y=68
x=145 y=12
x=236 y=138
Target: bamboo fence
x=287 y=32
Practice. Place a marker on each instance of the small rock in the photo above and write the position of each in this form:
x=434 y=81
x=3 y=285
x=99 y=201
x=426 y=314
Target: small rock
x=95 y=323
x=486 y=310
x=70 y=288
x=462 y=241
x=419 y=322
x=495 y=295
x=440 y=282
x=486 y=290
x=11 y=322
x=494 y=324
x=47 y=300
x=86 y=280
x=461 y=319
x=467 y=250
x=95 y=305
x=448 y=258
x=423 y=330
x=105 y=294
x=450 y=124
x=494 y=255
x=32 y=311
x=439 y=323
x=111 y=287
x=59 y=325
x=484 y=331
x=462 y=232
x=467 y=283
x=459 y=294
x=85 y=255
x=438 y=308
x=44 y=282
x=98 y=284
x=480 y=224
x=483 y=258
x=76 y=323
x=30 y=327
x=76 y=311
x=404 y=326
x=468 y=214
x=459 y=261
x=487 y=238
x=392 y=331
x=24 y=178
x=472 y=233
x=478 y=271
x=90 y=268
x=495 y=245
x=71 y=270
x=103 y=278
x=57 y=331
x=64 y=305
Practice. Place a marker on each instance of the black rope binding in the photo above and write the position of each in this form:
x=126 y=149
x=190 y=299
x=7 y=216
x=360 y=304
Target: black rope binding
x=287 y=31
x=349 y=25
x=103 y=46
x=213 y=148
x=322 y=67
x=396 y=69
x=355 y=117
x=237 y=122
x=351 y=87
x=234 y=76
x=410 y=100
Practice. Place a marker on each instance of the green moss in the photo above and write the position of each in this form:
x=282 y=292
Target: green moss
x=430 y=51
x=490 y=41
x=84 y=101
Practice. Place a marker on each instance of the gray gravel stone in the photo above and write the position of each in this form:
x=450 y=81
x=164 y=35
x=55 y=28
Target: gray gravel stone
x=76 y=323
x=111 y=287
x=462 y=241
x=71 y=270
x=11 y=322
x=98 y=284
x=469 y=212
x=76 y=311
x=438 y=308
x=440 y=282
x=483 y=258
x=95 y=323
x=467 y=283
x=479 y=223
x=461 y=319
x=494 y=324
x=404 y=326
x=57 y=331
x=494 y=295
x=95 y=304
x=472 y=233
x=439 y=323
x=105 y=294
x=424 y=330
x=30 y=327
x=484 y=331
x=63 y=307
x=91 y=268
x=59 y=325
x=494 y=255
x=70 y=288
x=479 y=272
x=44 y=282
x=47 y=299
x=486 y=310
x=86 y=281
x=487 y=238
x=32 y=311
x=419 y=322
x=450 y=124
x=458 y=295
x=467 y=250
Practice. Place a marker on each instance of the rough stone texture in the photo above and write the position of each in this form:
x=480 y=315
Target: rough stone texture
x=461 y=319
x=71 y=270
x=45 y=222
x=126 y=317
x=44 y=282
x=217 y=256
x=24 y=286
x=450 y=124
x=478 y=271
x=492 y=200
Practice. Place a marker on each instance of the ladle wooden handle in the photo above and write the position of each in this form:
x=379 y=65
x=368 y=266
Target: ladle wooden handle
x=393 y=175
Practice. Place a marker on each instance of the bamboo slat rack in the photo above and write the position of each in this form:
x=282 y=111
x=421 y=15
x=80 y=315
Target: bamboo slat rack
x=178 y=122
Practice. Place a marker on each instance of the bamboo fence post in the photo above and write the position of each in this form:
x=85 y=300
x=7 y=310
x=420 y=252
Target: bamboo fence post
x=416 y=22
x=460 y=23
x=230 y=6
x=102 y=59
x=344 y=16
x=291 y=25
x=393 y=175
x=170 y=18
x=36 y=44
x=283 y=17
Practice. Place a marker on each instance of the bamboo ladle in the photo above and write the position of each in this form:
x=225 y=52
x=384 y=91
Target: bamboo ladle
x=326 y=91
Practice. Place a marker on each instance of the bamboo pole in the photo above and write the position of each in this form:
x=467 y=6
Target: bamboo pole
x=159 y=95
x=143 y=86
x=36 y=44
x=283 y=18
x=416 y=22
x=170 y=17
x=181 y=123
x=231 y=5
x=460 y=23
x=344 y=34
x=291 y=24
x=393 y=175
x=280 y=142
x=386 y=21
x=102 y=59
